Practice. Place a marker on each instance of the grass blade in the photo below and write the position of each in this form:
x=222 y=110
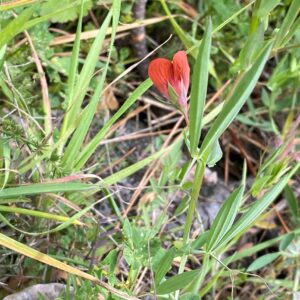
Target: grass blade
x=74 y=59
x=114 y=178
x=287 y=23
x=76 y=142
x=226 y=215
x=39 y=188
x=48 y=260
x=181 y=34
x=5 y=156
x=235 y=102
x=93 y=144
x=35 y=213
x=199 y=88
x=85 y=76
x=257 y=208
x=15 y=26
x=15 y=3
x=177 y=282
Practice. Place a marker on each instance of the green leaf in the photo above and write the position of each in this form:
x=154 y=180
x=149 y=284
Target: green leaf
x=215 y=155
x=287 y=23
x=252 y=46
x=15 y=26
x=262 y=261
x=225 y=217
x=177 y=282
x=184 y=37
x=291 y=32
x=291 y=201
x=14 y=4
x=91 y=147
x=199 y=89
x=72 y=151
x=85 y=76
x=111 y=260
x=252 y=250
x=39 y=188
x=114 y=178
x=35 y=213
x=235 y=101
x=265 y=7
x=67 y=222
x=66 y=14
x=190 y=296
x=164 y=265
x=200 y=241
x=284 y=243
x=257 y=208
x=74 y=59
x=5 y=156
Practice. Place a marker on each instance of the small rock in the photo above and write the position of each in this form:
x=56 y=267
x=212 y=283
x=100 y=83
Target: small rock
x=49 y=291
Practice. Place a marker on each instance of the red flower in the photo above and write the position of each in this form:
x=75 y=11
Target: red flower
x=171 y=78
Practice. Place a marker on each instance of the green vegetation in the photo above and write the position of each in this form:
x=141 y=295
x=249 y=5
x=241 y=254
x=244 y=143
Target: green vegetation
x=114 y=214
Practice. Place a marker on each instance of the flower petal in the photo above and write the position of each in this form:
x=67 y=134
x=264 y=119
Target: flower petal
x=181 y=69
x=160 y=72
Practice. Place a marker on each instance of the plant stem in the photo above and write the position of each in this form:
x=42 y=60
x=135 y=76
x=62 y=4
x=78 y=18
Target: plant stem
x=205 y=268
x=198 y=178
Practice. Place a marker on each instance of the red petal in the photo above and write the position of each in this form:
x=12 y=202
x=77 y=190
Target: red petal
x=160 y=72
x=181 y=69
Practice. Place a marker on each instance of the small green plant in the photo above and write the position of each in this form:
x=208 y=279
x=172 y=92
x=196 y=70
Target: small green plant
x=54 y=142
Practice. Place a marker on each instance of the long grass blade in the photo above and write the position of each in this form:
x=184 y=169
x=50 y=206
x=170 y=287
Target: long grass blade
x=235 y=102
x=76 y=142
x=85 y=76
x=89 y=149
x=199 y=89
x=15 y=26
x=39 y=188
x=257 y=208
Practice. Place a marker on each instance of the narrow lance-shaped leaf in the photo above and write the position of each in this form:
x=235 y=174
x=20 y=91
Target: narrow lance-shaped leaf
x=93 y=144
x=180 y=33
x=15 y=26
x=40 y=188
x=177 y=282
x=46 y=259
x=74 y=58
x=5 y=155
x=67 y=222
x=35 y=213
x=235 y=102
x=199 y=88
x=287 y=23
x=85 y=76
x=80 y=134
x=164 y=265
x=263 y=261
x=257 y=208
x=292 y=202
x=118 y=176
x=226 y=215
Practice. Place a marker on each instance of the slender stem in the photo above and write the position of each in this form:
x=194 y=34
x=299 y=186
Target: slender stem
x=205 y=268
x=198 y=178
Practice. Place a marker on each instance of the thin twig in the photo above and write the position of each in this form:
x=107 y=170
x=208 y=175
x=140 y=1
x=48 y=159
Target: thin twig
x=44 y=85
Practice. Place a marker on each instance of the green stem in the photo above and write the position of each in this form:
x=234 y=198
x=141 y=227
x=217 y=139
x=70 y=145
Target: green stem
x=198 y=178
x=205 y=268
